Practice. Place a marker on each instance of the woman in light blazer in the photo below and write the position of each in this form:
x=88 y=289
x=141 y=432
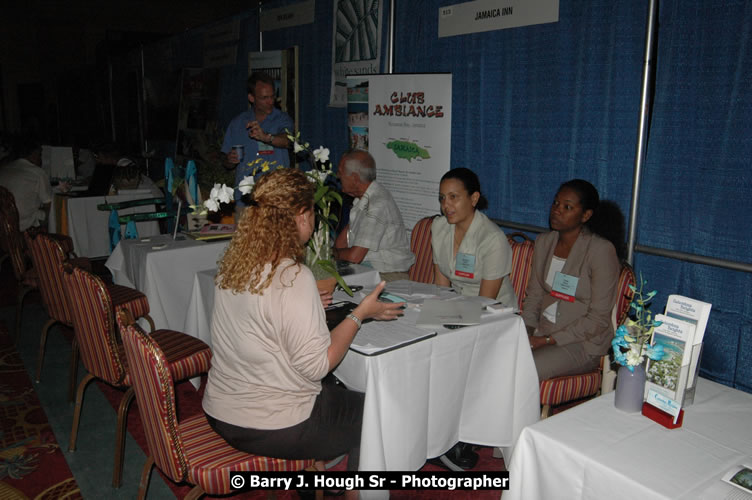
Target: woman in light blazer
x=572 y=289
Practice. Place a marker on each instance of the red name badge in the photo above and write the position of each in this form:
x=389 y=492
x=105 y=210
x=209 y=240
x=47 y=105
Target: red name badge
x=464 y=274
x=562 y=296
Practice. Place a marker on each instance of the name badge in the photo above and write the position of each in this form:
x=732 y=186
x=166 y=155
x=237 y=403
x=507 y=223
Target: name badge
x=465 y=265
x=264 y=148
x=564 y=287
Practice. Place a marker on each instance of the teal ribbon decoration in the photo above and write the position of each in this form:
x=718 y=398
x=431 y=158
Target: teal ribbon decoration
x=131 y=232
x=169 y=166
x=114 y=228
x=191 y=180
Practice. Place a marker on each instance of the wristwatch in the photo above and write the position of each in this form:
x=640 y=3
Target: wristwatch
x=548 y=339
x=271 y=138
x=355 y=319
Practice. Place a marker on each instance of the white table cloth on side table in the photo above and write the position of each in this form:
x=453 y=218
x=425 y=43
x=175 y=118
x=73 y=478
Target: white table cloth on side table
x=594 y=451
x=163 y=269
x=88 y=226
x=476 y=384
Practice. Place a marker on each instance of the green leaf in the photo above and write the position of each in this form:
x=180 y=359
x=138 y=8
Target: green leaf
x=329 y=267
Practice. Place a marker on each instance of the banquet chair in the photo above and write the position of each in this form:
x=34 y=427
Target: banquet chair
x=420 y=246
x=559 y=391
x=522 y=263
x=11 y=242
x=102 y=352
x=15 y=244
x=188 y=450
x=49 y=256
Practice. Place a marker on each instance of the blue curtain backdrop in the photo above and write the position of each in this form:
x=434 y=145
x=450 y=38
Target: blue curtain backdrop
x=537 y=105
x=697 y=182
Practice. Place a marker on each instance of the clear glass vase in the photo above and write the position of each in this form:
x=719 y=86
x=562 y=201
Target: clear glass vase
x=630 y=389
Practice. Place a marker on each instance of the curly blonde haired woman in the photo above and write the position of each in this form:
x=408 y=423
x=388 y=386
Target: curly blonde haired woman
x=270 y=340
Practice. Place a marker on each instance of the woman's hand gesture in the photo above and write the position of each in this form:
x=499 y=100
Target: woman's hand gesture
x=371 y=307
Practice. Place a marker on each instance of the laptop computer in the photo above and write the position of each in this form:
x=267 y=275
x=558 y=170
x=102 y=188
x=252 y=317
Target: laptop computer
x=336 y=313
x=100 y=183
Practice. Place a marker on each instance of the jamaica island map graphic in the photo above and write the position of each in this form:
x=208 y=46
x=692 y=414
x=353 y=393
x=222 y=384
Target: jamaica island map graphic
x=407 y=150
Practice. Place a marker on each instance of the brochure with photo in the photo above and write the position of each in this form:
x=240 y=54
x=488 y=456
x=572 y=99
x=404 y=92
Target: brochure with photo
x=668 y=375
x=693 y=311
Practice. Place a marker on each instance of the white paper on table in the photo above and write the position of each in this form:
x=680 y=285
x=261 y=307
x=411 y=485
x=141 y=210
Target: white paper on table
x=459 y=311
x=413 y=290
x=58 y=162
x=729 y=489
x=377 y=337
x=406 y=288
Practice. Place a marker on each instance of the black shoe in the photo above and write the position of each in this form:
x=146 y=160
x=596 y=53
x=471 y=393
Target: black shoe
x=459 y=457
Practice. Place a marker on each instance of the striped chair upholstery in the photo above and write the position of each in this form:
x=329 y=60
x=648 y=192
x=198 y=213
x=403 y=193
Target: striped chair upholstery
x=102 y=352
x=11 y=242
x=522 y=264
x=561 y=390
x=189 y=450
x=49 y=256
x=420 y=245
x=624 y=295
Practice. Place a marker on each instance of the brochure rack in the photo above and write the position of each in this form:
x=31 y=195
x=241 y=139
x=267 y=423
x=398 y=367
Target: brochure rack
x=666 y=410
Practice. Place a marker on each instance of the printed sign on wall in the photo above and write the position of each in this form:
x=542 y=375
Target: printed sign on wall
x=356 y=47
x=488 y=15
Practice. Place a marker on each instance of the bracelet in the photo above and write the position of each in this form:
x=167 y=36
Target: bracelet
x=355 y=319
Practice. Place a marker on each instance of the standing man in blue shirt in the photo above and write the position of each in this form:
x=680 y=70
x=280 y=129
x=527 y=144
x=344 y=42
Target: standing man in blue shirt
x=260 y=130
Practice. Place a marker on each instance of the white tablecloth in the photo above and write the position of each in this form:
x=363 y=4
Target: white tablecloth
x=594 y=451
x=88 y=226
x=164 y=274
x=476 y=384
x=201 y=302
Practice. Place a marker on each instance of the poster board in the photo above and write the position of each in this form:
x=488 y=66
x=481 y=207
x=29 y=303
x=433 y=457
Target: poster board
x=356 y=47
x=405 y=122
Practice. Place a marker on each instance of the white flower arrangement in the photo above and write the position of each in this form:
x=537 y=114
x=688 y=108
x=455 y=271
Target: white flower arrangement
x=221 y=193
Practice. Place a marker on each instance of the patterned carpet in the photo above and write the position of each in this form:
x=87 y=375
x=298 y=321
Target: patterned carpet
x=32 y=466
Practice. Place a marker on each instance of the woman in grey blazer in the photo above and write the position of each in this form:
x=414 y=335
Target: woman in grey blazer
x=572 y=289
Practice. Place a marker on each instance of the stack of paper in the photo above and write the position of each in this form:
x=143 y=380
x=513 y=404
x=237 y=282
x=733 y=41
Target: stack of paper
x=377 y=337
x=450 y=312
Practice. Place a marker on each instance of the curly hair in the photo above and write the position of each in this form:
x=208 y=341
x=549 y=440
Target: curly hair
x=267 y=232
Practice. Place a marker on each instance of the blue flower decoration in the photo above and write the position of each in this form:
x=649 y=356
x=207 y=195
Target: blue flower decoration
x=655 y=353
x=617 y=343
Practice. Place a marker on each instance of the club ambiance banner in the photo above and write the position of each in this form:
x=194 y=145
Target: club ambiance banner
x=408 y=130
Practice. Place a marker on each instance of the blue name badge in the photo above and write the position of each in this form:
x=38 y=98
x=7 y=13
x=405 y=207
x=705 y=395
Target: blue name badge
x=264 y=148
x=465 y=265
x=564 y=287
